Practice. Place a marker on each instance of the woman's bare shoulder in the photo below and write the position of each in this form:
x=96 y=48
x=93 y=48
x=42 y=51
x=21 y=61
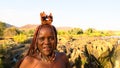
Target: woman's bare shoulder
x=28 y=62
x=62 y=55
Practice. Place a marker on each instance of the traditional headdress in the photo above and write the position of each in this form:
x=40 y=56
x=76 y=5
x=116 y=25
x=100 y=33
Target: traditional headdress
x=46 y=19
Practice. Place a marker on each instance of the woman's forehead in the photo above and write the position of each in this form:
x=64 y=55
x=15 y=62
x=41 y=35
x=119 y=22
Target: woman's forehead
x=47 y=29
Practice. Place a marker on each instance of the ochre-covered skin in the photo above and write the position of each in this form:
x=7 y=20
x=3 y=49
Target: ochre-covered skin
x=61 y=61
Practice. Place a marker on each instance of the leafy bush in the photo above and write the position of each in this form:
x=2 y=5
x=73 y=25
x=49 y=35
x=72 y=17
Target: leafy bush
x=21 y=38
x=61 y=32
x=75 y=31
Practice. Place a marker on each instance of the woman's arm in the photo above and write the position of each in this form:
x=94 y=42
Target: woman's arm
x=66 y=60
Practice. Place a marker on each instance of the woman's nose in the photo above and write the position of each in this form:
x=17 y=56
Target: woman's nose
x=46 y=41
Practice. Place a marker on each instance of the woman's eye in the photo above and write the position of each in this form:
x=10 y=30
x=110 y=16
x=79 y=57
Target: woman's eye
x=41 y=39
x=51 y=38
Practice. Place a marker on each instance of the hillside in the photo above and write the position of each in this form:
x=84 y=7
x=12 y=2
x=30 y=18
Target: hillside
x=6 y=24
x=33 y=26
x=28 y=27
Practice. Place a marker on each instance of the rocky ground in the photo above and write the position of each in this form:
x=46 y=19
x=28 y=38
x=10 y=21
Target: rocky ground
x=82 y=52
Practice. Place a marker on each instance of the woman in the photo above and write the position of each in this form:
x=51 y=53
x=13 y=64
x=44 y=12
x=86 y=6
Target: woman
x=42 y=52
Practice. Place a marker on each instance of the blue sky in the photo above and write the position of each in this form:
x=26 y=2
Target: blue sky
x=98 y=14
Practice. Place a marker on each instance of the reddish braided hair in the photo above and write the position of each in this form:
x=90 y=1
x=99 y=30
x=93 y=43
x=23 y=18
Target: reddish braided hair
x=32 y=46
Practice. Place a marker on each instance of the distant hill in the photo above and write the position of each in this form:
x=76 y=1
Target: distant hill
x=33 y=26
x=6 y=24
x=28 y=27
x=9 y=25
x=64 y=28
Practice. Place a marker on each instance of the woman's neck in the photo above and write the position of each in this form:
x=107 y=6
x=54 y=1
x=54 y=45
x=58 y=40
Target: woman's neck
x=49 y=58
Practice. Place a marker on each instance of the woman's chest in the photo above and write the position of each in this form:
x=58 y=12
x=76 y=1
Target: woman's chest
x=55 y=64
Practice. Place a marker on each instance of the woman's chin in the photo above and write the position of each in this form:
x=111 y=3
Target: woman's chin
x=47 y=53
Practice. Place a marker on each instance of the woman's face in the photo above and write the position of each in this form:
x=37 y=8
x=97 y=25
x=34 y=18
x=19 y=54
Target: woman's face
x=46 y=41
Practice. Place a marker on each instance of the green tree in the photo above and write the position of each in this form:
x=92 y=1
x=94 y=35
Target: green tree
x=31 y=33
x=75 y=31
x=61 y=32
x=90 y=30
x=2 y=28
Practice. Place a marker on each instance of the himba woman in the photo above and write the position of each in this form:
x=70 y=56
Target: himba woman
x=42 y=52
